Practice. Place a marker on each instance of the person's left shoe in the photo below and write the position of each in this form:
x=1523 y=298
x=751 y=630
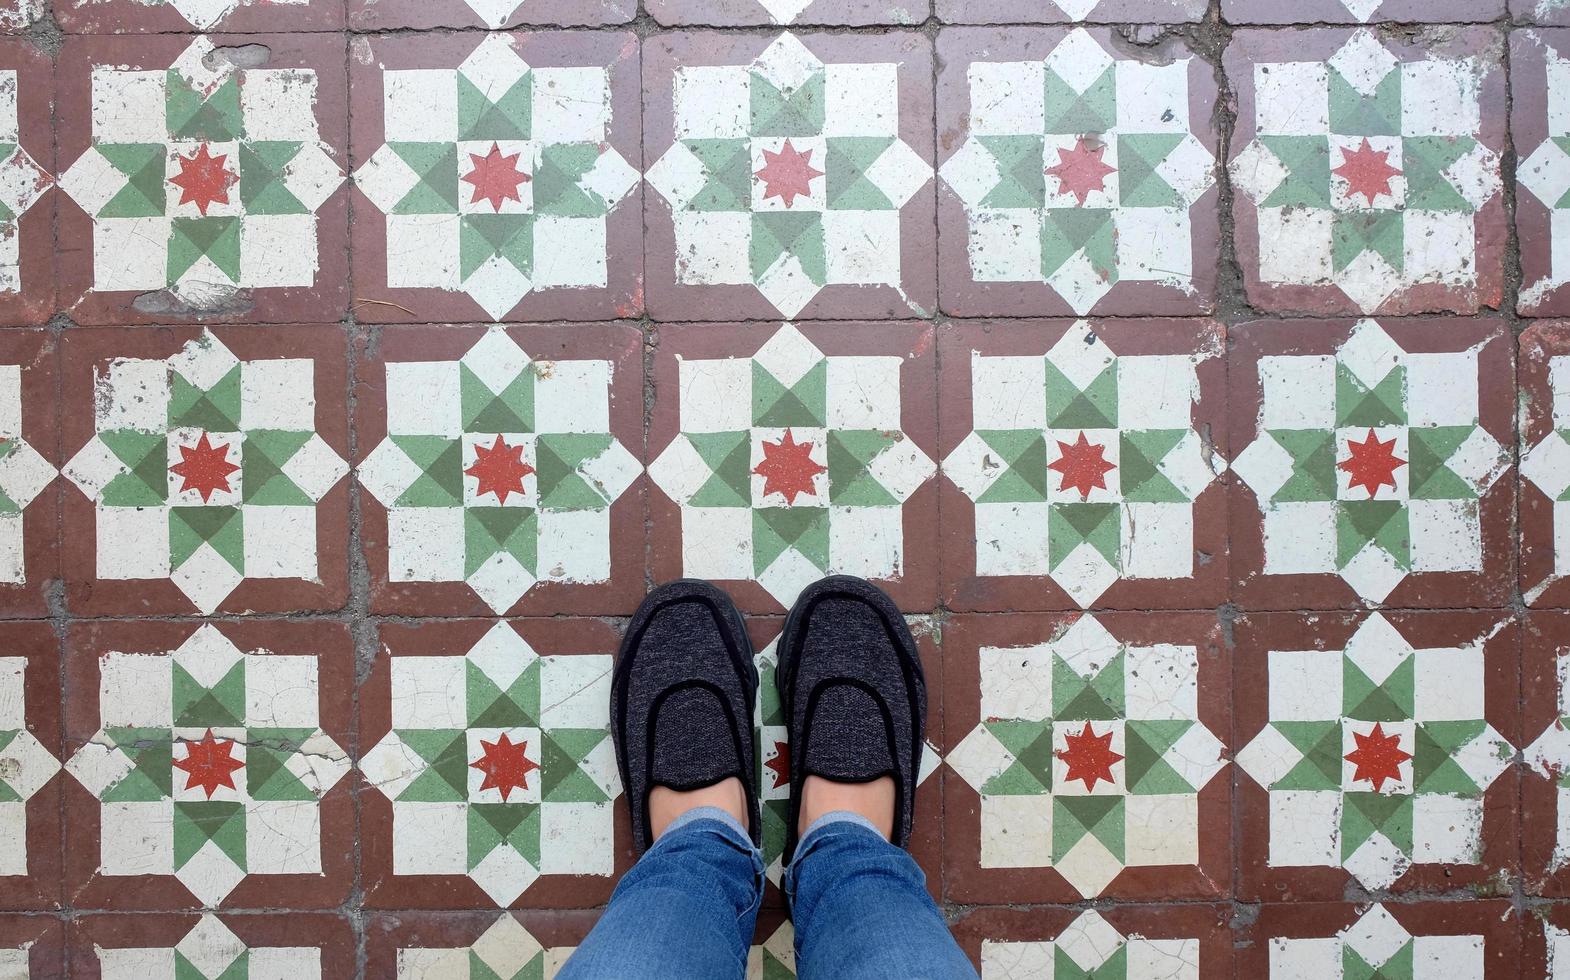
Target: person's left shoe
x=682 y=700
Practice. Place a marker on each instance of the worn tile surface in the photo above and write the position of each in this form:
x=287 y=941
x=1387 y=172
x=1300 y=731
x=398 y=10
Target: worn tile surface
x=1424 y=940
x=1126 y=942
x=424 y=14
x=736 y=13
x=1069 y=11
x=30 y=846
x=183 y=16
x=1361 y=11
x=211 y=947
x=1540 y=124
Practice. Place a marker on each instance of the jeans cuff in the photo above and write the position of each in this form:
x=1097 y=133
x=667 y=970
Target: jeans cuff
x=714 y=813
x=833 y=817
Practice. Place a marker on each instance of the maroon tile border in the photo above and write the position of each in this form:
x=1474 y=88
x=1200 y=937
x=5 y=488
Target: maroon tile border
x=420 y=14
x=1541 y=342
x=742 y=13
x=1545 y=644
x=137 y=17
x=1210 y=925
x=1540 y=11
x=331 y=934
x=388 y=932
x=1530 y=52
x=46 y=957
x=1334 y=12
x=1495 y=921
x=35 y=304
x=38 y=354
x=1050 y=12
x=40 y=887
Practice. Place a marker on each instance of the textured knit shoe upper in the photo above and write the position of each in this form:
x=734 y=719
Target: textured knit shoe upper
x=682 y=699
x=851 y=683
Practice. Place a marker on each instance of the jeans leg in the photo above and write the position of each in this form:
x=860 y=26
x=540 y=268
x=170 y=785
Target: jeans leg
x=861 y=909
x=685 y=911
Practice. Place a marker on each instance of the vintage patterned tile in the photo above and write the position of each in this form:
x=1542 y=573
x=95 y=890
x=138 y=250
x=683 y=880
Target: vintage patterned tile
x=738 y=13
x=488 y=745
x=498 y=464
x=212 y=947
x=205 y=174
x=1545 y=942
x=1367 y=169
x=1087 y=758
x=1184 y=942
x=29 y=494
x=787 y=453
x=1069 y=11
x=175 y=16
x=209 y=765
x=27 y=209
x=1545 y=734
x=791 y=176
x=208 y=469
x=1376 y=752
x=548 y=226
x=31 y=946
x=472 y=945
x=1076 y=177
x=385 y=14
x=1360 y=11
x=1540 y=125
x=1081 y=463
x=1466 y=940
x=1544 y=379
x=30 y=813
x=1373 y=463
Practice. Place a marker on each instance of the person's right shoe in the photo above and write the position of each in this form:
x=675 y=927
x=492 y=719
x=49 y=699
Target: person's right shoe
x=854 y=696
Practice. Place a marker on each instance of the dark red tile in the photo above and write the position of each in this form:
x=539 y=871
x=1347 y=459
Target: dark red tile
x=29 y=490
x=419 y=14
x=1360 y=11
x=1544 y=378
x=1080 y=464
x=1473 y=940
x=209 y=765
x=525 y=207
x=27 y=168
x=189 y=201
x=32 y=946
x=1070 y=11
x=1372 y=464
x=1545 y=941
x=1538 y=65
x=18 y=15
x=507 y=944
x=30 y=848
x=743 y=13
x=280 y=945
x=1545 y=740
x=177 y=16
x=1133 y=940
x=206 y=470
x=1541 y=11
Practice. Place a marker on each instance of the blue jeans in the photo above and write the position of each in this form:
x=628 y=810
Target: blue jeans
x=687 y=909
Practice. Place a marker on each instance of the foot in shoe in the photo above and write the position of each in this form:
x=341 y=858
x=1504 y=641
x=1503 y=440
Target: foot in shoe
x=666 y=804
x=874 y=800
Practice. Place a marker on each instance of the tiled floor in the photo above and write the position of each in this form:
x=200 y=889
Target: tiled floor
x=1184 y=369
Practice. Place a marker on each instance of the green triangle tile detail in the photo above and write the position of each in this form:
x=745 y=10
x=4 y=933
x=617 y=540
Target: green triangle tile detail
x=144 y=166
x=1097 y=698
x=484 y=236
x=729 y=456
x=802 y=529
x=1030 y=742
x=1313 y=453
x=151 y=751
x=491 y=707
x=804 y=403
x=214 y=409
x=1424 y=159
x=1428 y=451
x=1115 y=967
x=262 y=169
x=1364 y=814
x=1380 y=232
x=1093 y=111
x=1145 y=769
x=1361 y=407
x=1139 y=185
x=1434 y=767
x=491 y=825
x=560 y=753
x=492 y=530
x=849 y=187
x=1098 y=525
x=532 y=970
x=1307 y=162
x=1320 y=767
x=1366 y=701
x=192 y=116
x=221 y=706
x=263 y=481
x=217 y=239
x=219 y=821
x=511 y=410
x=558 y=184
x=1096 y=407
x=146 y=457
x=560 y=457
x=1075 y=816
x=1398 y=967
x=1024 y=453
x=221 y=527
x=773 y=969
x=1021 y=178
x=1354 y=114
x=799 y=234
x=440 y=483
x=1383 y=523
x=728 y=164
x=509 y=117
x=267 y=754
x=436 y=165
x=850 y=483
x=239 y=969
x=776 y=112
x=1139 y=456
x=1067 y=231
x=446 y=776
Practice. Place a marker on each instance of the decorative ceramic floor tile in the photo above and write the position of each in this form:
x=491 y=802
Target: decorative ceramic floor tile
x=1544 y=378
x=175 y=16
x=1360 y=11
x=31 y=946
x=1545 y=943
x=1075 y=177
x=497 y=465
x=1080 y=464
x=27 y=258
x=1541 y=11
x=1541 y=127
x=792 y=176
x=1545 y=737
x=29 y=493
x=488 y=746
x=507 y=171
x=1376 y=752
x=472 y=946
x=738 y=13
x=420 y=14
x=1124 y=943
x=1424 y=941
x=212 y=947
x=17 y=15
x=29 y=760
x=1069 y=11
x=209 y=765
x=208 y=469
x=203 y=178
x=1367 y=170
x=1373 y=463
x=784 y=454
x=1085 y=755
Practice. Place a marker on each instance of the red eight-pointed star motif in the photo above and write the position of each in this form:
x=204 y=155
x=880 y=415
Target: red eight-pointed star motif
x=1372 y=464
x=1084 y=466
x=204 y=468
x=505 y=765
x=495 y=177
x=1378 y=757
x=787 y=174
x=1367 y=171
x=209 y=764
x=1081 y=170
x=780 y=764
x=500 y=469
x=787 y=468
x=204 y=179
x=1089 y=756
